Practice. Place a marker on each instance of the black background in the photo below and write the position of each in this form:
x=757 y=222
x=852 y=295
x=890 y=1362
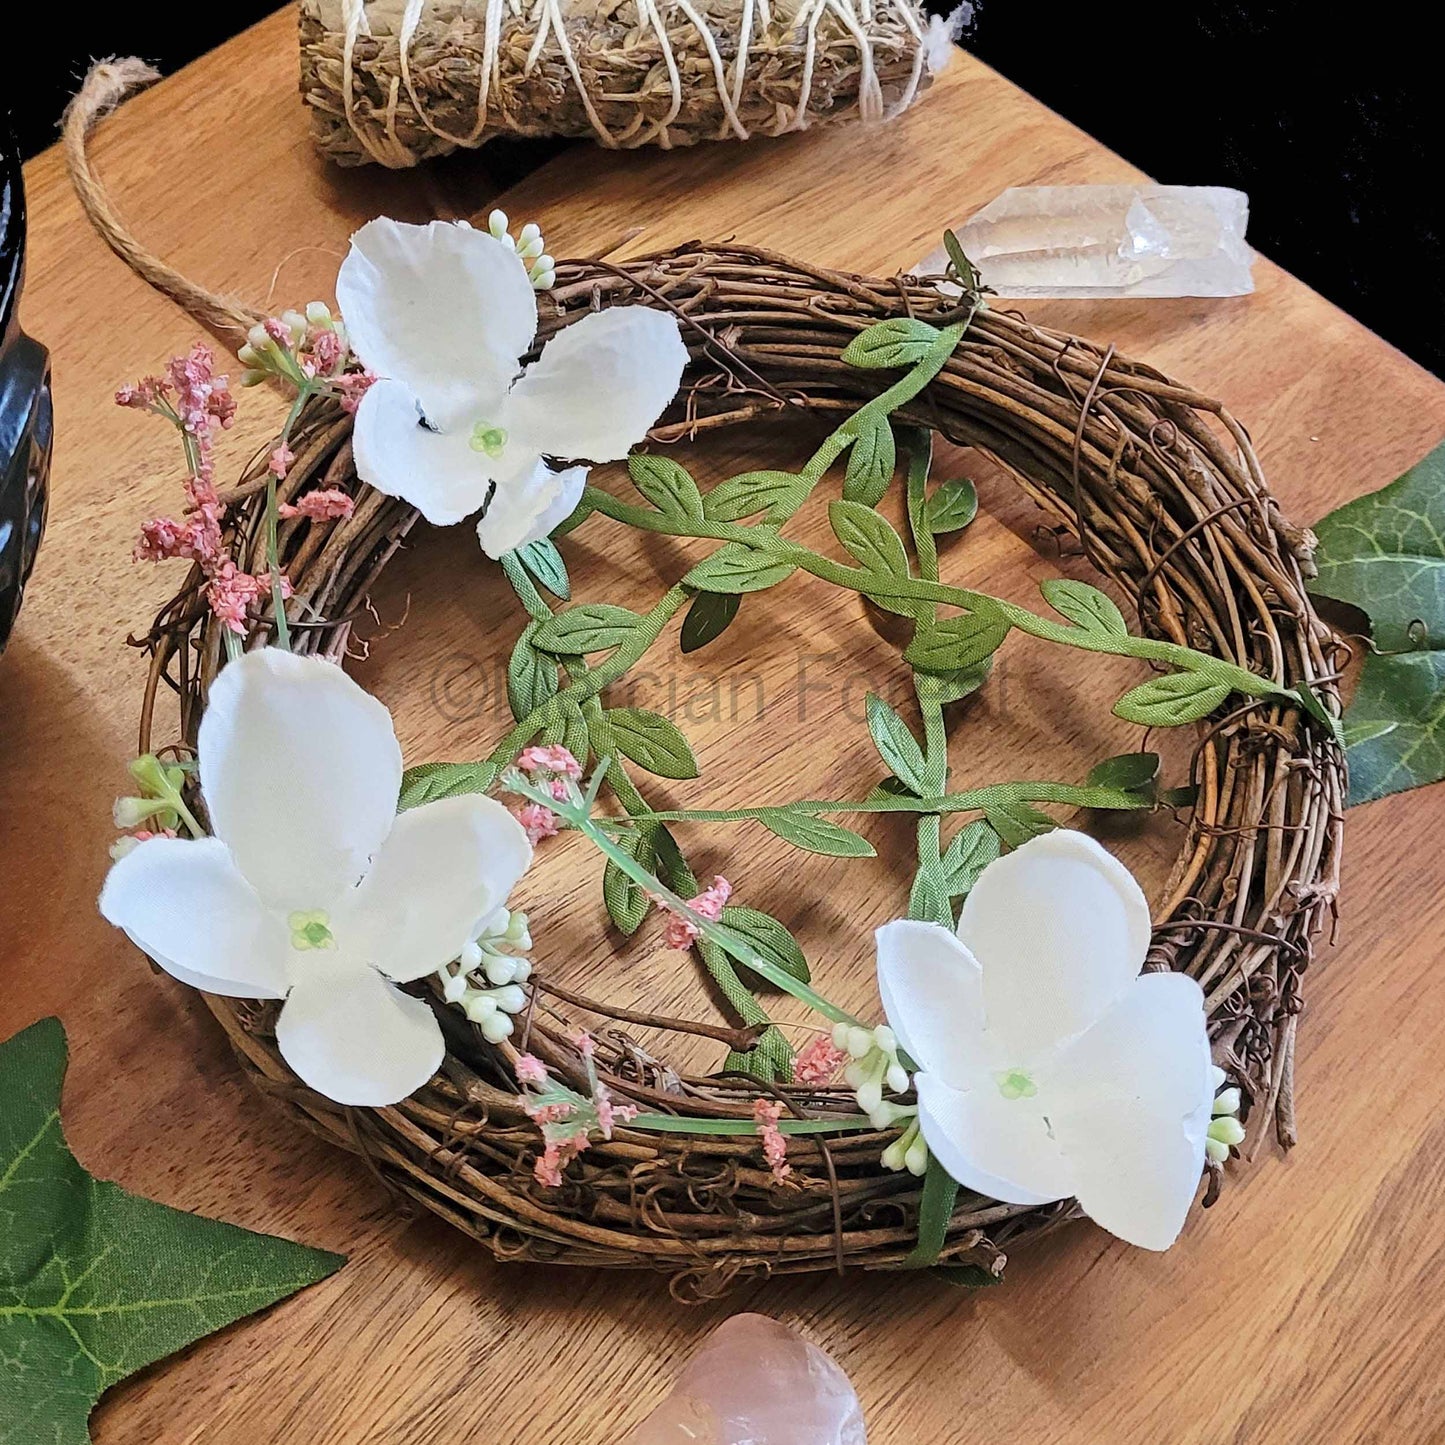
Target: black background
x=1333 y=128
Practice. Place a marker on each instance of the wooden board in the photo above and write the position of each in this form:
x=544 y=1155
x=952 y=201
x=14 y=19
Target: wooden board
x=1306 y=1307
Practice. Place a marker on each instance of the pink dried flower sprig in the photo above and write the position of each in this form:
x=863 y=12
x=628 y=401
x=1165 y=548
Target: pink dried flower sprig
x=552 y=765
x=819 y=1063
x=682 y=932
x=326 y=504
x=766 y=1113
x=308 y=350
x=566 y=1118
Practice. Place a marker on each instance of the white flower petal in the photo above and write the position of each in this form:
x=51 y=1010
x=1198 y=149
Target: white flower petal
x=932 y=990
x=355 y=1037
x=300 y=769
x=998 y=1147
x=444 y=309
x=439 y=472
x=1136 y=1170
x=445 y=865
x=599 y=385
x=527 y=506
x=1061 y=929
x=184 y=903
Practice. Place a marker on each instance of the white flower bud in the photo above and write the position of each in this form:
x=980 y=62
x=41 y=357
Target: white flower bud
x=544 y=281
x=840 y=1036
x=260 y=342
x=893 y=1156
x=870 y=1095
x=860 y=1040
x=1215 y=1152
x=500 y=969
x=480 y=1007
x=470 y=956
x=454 y=988
x=1217 y=1076
x=522 y=970
x=318 y=313
x=516 y=932
x=529 y=233
x=897 y=1079
x=497 y=224
x=122 y=846
x=1227 y=1129
x=1228 y=1102
x=496 y=1027
x=510 y=999
x=854 y=1075
x=916 y=1159
x=297 y=323
x=248 y=355
x=886 y=1039
x=132 y=812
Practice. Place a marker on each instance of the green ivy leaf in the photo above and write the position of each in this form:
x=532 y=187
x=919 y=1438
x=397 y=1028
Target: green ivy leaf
x=770 y=938
x=902 y=341
x=943 y=688
x=588 y=627
x=626 y=903
x=1085 y=607
x=669 y=487
x=735 y=567
x=972 y=850
x=652 y=742
x=816 y=835
x=958 y=643
x=569 y=728
x=927 y=900
x=542 y=559
x=935 y=1212
x=898 y=746
x=873 y=544
x=1385 y=553
x=708 y=617
x=531 y=675
x=1016 y=823
x=952 y=507
x=427 y=782
x=754 y=492
x=871 y=459
x=1171 y=700
x=1129 y=773
x=96 y=1283
x=964 y=269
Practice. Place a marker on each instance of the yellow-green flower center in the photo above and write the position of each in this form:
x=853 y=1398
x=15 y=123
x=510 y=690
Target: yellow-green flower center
x=310 y=930
x=488 y=439
x=1015 y=1084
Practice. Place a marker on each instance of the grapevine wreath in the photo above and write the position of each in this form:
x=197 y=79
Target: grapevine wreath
x=548 y=1132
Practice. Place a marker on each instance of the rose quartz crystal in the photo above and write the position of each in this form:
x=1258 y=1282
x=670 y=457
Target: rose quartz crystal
x=756 y=1382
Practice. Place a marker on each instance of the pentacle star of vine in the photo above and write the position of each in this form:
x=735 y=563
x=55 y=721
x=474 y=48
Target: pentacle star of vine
x=96 y=1283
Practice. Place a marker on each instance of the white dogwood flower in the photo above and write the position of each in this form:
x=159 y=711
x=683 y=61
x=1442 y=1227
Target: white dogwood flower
x=1048 y=1067
x=442 y=313
x=314 y=890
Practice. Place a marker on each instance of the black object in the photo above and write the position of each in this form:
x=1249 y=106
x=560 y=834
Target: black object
x=25 y=411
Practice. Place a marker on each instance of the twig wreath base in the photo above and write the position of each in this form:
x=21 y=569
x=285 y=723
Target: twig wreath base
x=1164 y=493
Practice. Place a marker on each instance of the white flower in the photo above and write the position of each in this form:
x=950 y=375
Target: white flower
x=1047 y=1066
x=313 y=889
x=443 y=313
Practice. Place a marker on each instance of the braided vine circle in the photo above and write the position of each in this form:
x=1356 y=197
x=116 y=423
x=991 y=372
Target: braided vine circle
x=1161 y=487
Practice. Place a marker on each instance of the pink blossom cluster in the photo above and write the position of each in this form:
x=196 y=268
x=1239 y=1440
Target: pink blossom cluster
x=819 y=1063
x=323 y=505
x=567 y=1119
x=766 y=1113
x=550 y=758
x=198 y=401
x=682 y=932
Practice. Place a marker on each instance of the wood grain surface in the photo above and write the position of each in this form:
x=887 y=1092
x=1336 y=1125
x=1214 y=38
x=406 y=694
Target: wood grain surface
x=1309 y=1305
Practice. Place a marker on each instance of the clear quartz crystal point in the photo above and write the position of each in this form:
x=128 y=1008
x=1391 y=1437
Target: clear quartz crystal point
x=1105 y=241
x=756 y=1382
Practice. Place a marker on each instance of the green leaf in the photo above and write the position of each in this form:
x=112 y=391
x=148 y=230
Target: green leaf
x=870 y=460
x=1129 y=772
x=1016 y=823
x=1396 y=725
x=96 y=1283
x=589 y=627
x=816 y=835
x=876 y=546
x=935 y=1210
x=770 y=938
x=943 y=688
x=626 y=903
x=667 y=486
x=427 y=782
x=966 y=271
x=754 y=492
x=1085 y=607
x=569 y=728
x=952 y=507
x=958 y=643
x=972 y=850
x=542 y=559
x=708 y=617
x=898 y=746
x=652 y=742
x=1385 y=553
x=927 y=901
x=1169 y=701
x=531 y=675
x=899 y=342
x=735 y=567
